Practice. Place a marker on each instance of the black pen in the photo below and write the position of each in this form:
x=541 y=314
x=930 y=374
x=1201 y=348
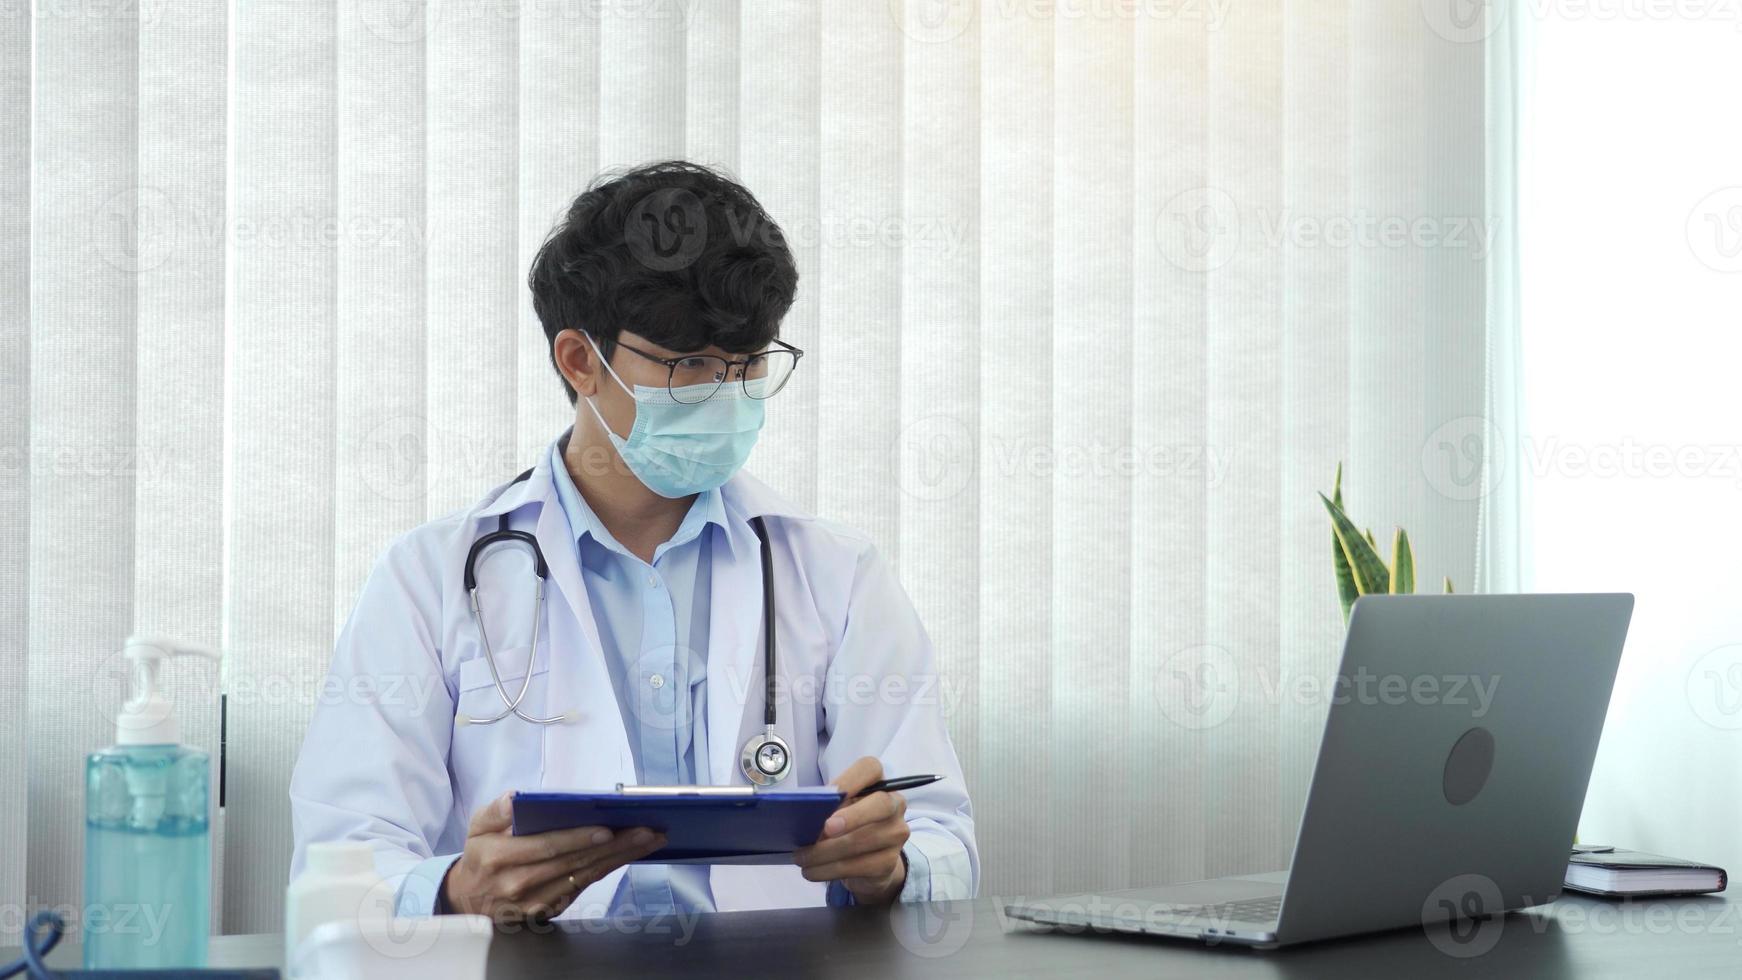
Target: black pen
x=896 y=785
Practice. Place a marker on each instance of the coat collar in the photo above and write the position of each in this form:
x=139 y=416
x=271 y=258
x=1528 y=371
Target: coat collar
x=744 y=496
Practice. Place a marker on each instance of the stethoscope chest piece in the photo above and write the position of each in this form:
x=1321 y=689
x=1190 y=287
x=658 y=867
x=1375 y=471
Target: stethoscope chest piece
x=766 y=758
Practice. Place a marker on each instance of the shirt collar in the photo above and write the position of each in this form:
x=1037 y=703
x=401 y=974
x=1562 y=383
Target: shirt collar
x=707 y=508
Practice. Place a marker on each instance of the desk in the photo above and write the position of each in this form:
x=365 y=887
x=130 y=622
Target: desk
x=1574 y=937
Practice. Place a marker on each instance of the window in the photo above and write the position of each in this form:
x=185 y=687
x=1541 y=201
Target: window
x=1631 y=225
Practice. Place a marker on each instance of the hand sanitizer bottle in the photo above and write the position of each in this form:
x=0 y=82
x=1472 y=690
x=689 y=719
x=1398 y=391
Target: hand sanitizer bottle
x=147 y=831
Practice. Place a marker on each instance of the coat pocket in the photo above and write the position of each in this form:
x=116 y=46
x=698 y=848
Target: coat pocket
x=488 y=758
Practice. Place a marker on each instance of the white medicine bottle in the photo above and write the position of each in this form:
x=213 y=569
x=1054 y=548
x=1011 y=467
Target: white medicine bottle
x=338 y=884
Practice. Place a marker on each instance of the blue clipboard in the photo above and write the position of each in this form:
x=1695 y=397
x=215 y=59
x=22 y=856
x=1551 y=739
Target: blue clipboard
x=702 y=824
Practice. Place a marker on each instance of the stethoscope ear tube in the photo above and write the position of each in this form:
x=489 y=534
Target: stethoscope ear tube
x=499 y=536
x=766 y=757
x=768 y=642
x=506 y=535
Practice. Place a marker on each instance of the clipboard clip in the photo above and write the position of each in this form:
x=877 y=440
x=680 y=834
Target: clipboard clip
x=713 y=791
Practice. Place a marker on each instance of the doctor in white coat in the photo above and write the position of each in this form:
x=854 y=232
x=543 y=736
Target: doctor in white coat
x=661 y=293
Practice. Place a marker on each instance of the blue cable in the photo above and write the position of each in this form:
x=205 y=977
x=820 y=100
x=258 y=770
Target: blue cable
x=41 y=935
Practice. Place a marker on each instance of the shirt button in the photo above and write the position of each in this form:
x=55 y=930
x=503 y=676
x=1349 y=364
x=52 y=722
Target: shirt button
x=653 y=581
x=657 y=681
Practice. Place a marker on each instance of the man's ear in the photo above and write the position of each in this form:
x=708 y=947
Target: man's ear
x=578 y=362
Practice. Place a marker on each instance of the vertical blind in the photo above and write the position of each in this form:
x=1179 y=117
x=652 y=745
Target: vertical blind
x=1096 y=297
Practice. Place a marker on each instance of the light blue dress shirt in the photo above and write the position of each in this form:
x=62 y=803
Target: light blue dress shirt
x=653 y=623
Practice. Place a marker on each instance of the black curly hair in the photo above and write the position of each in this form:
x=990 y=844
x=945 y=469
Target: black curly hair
x=673 y=251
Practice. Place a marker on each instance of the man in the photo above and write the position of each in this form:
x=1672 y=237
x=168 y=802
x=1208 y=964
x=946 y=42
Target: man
x=661 y=293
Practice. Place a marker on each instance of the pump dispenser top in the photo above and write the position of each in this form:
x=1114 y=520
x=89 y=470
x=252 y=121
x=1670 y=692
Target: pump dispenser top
x=148 y=717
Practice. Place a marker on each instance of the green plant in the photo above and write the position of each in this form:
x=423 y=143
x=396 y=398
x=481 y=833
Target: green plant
x=1360 y=570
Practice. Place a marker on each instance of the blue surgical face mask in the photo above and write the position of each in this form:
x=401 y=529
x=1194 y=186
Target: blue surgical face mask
x=678 y=449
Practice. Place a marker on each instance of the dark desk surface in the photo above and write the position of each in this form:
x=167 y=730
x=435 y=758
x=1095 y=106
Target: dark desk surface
x=1574 y=937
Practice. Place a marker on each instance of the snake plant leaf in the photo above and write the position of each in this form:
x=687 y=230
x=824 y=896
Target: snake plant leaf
x=1448 y=585
x=1346 y=591
x=1402 y=565
x=1370 y=573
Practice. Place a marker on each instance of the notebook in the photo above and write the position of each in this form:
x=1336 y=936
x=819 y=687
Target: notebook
x=1612 y=871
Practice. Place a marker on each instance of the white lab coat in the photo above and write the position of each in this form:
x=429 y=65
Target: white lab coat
x=384 y=761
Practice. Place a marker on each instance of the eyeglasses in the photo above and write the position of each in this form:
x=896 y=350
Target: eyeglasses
x=696 y=378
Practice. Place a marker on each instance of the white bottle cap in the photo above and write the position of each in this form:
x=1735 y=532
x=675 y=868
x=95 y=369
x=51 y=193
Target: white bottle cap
x=341 y=857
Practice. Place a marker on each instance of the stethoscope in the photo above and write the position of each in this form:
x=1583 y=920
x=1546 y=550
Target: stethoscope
x=766 y=758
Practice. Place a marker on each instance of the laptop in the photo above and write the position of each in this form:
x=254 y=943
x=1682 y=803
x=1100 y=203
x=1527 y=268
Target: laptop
x=1455 y=798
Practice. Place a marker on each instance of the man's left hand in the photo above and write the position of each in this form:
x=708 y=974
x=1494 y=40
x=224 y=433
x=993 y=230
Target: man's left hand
x=861 y=843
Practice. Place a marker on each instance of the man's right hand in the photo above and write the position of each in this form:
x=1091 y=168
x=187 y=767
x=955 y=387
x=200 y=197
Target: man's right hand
x=510 y=878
